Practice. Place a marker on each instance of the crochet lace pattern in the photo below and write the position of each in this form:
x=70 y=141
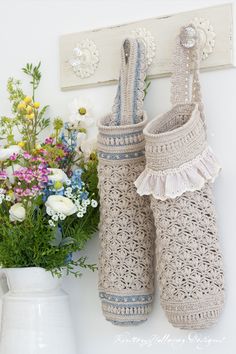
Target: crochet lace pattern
x=126 y=230
x=179 y=172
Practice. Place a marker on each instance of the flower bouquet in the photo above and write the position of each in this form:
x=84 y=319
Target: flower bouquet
x=48 y=189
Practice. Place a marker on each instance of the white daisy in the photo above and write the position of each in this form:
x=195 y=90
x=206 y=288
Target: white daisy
x=81 y=112
x=49 y=211
x=51 y=223
x=68 y=182
x=55 y=217
x=94 y=203
x=89 y=145
x=62 y=216
x=85 y=202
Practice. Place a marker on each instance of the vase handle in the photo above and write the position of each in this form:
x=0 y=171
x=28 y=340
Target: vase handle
x=4 y=288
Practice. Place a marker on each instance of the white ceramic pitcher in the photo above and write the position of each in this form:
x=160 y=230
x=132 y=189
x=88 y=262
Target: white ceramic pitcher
x=35 y=314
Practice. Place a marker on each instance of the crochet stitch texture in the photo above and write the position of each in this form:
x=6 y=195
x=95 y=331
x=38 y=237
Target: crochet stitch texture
x=180 y=169
x=126 y=229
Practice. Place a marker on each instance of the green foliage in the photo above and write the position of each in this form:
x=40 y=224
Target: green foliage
x=6 y=129
x=147 y=84
x=34 y=73
x=40 y=238
x=27 y=244
x=58 y=126
x=28 y=119
x=90 y=175
x=35 y=244
x=83 y=231
x=15 y=92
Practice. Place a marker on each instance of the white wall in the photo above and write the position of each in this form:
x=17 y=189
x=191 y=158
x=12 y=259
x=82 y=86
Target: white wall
x=29 y=32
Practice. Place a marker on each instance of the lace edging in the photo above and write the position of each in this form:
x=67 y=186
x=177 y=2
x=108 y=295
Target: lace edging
x=171 y=183
x=137 y=89
x=141 y=82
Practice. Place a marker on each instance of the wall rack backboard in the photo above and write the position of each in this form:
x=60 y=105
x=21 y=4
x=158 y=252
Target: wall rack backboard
x=92 y=58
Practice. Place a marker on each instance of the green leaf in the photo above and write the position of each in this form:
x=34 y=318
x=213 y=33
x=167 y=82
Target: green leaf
x=67 y=241
x=57 y=238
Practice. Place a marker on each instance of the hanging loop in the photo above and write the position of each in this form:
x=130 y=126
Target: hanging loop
x=126 y=47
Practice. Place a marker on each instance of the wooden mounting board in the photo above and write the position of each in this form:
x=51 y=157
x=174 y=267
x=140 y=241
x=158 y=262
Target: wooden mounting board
x=163 y=29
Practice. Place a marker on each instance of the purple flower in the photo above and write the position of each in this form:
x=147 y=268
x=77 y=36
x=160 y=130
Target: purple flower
x=32 y=180
x=49 y=140
x=3 y=175
x=26 y=155
x=13 y=157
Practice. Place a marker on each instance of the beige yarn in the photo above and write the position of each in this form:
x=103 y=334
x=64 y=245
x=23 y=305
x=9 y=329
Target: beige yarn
x=126 y=229
x=179 y=173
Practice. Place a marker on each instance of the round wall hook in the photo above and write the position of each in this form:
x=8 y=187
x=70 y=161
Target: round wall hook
x=85 y=58
x=205 y=33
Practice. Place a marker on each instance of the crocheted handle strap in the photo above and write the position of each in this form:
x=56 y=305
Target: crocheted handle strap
x=185 y=84
x=128 y=104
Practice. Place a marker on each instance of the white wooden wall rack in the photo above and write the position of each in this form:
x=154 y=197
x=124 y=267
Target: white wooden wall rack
x=92 y=58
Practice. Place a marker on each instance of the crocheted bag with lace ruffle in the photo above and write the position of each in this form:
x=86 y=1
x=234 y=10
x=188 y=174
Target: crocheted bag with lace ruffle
x=179 y=174
x=126 y=227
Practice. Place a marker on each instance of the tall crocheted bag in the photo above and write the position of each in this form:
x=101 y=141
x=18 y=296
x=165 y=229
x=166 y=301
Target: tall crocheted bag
x=179 y=174
x=126 y=229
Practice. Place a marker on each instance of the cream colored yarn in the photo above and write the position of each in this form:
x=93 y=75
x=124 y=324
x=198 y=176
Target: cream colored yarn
x=179 y=173
x=126 y=230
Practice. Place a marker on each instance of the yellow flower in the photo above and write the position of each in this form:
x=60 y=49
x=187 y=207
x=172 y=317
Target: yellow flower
x=21 y=144
x=21 y=106
x=29 y=109
x=82 y=130
x=30 y=116
x=11 y=194
x=38 y=146
x=36 y=105
x=58 y=185
x=82 y=111
x=27 y=99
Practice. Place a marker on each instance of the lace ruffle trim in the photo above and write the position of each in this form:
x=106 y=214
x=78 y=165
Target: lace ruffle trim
x=172 y=183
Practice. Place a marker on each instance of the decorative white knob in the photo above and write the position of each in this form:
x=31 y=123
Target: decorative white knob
x=148 y=40
x=188 y=36
x=85 y=58
x=206 y=34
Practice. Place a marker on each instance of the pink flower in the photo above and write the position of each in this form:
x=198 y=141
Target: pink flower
x=35 y=189
x=49 y=140
x=3 y=175
x=26 y=155
x=43 y=152
x=41 y=159
x=18 y=190
x=27 y=192
x=13 y=157
x=33 y=179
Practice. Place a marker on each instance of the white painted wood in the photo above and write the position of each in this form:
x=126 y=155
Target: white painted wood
x=164 y=29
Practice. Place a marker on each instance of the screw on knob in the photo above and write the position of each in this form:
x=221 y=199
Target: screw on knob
x=188 y=36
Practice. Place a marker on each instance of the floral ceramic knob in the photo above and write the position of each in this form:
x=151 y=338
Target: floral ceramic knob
x=85 y=59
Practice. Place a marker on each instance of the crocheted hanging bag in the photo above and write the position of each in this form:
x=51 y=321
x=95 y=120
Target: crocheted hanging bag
x=179 y=174
x=126 y=229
